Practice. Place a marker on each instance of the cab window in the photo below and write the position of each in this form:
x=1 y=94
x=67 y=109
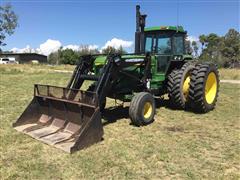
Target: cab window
x=178 y=45
x=164 y=45
x=148 y=45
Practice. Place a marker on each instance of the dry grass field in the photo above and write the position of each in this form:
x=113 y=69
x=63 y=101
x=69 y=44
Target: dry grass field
x=232 y=74
x=177 y=145
x=225 y=74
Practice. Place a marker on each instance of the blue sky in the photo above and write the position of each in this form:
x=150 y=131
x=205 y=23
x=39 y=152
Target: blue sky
x=96 y=22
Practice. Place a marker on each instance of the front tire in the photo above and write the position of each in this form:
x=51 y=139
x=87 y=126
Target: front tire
x=204 y=88
x=142 y=109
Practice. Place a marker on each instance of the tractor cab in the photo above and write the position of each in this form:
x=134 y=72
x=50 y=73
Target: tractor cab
x=164 y=40
x=164 y=43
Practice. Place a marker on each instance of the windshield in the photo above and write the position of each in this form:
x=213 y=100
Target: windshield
x=165 y=43
x=160 y=44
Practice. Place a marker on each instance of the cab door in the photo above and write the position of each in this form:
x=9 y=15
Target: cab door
x=163 y=55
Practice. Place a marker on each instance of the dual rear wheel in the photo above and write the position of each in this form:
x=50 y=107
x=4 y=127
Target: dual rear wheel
x=194 y=87
x=204 y=87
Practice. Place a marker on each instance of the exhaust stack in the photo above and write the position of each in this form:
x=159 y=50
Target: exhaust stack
x=139 y=34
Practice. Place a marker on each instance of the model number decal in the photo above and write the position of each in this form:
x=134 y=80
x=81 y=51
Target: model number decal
x=134 y=60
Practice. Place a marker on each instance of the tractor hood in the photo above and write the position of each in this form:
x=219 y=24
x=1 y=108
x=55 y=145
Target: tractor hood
x=101 y=60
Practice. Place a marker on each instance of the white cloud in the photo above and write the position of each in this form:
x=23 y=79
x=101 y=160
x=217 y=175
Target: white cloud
x=71 y=46
x=79 y=47
x=49 y=46
x=92 y=47
x=192 y=38
x=45 y=48
x=116 y=43
x=27 y=49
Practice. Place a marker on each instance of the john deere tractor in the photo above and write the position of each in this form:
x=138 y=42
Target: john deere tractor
x=70 y=118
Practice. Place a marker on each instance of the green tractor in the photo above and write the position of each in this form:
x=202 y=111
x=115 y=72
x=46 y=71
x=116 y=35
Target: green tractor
x=70 y=119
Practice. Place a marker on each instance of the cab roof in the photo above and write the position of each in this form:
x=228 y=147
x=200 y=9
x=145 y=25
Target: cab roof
x=165 y=28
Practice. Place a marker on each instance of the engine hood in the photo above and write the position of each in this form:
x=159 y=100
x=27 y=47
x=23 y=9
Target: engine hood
x=101 y=60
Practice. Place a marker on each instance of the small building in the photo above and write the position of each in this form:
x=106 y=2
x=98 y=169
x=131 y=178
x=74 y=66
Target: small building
x=24 y=57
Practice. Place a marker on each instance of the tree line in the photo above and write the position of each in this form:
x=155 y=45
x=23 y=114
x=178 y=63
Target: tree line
x=69 y=56
x=222 y=50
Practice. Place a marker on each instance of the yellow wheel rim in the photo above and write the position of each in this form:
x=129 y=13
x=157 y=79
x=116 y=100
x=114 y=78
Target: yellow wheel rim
x=186 y=85
x=147 y=110
x=211 y=88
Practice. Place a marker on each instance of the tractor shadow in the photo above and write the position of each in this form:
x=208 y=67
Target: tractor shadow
x=113 y=114
x=168 y=104
x=164 y=103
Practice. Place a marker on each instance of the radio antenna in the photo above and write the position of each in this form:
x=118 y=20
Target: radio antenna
x=177 y=14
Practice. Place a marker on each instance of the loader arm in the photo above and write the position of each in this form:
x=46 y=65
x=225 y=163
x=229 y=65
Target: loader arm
x=83 y=68
x=113 y=67
x=69 y=118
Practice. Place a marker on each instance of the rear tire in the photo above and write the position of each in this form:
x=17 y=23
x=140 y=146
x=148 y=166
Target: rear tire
x=178 y=86
x=142 y=109
x=204 y=88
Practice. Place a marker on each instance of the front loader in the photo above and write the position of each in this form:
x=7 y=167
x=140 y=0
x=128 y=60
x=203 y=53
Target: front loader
x=70 y=118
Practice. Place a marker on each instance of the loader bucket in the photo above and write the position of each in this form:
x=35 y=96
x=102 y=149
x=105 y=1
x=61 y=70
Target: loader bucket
x=68 y=119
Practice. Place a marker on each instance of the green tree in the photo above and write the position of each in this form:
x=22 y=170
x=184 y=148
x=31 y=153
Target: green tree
x=222 y=50
x=188 y=47
x=112 y=50
x=120 y=50
x=68 y=56
x=231 y=49
x=109 y=50
x=211 y=51
x=8 y=22
x=85 y=50
x=202 y=39
x=53 y=58
x=195 y=48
